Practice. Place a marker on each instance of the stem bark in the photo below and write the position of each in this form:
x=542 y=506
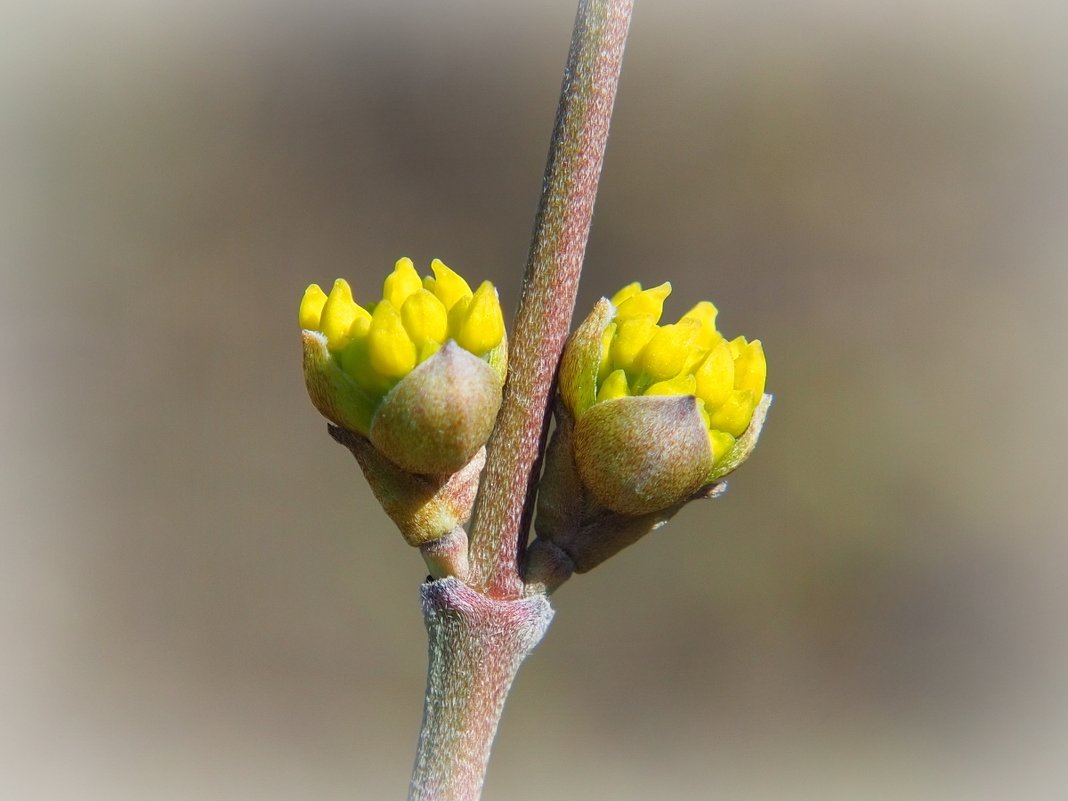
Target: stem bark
x=561 y=229
x=480 y=634
x=476 y=645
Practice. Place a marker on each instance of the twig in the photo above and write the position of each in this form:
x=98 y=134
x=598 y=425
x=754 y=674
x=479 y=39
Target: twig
x=561 y=229
x=480 y=632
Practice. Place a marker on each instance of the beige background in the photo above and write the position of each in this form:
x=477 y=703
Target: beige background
x=200 y=600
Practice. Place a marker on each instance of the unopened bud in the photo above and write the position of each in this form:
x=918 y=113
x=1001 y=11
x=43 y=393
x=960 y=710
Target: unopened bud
x=650 y=417
x=417 y=379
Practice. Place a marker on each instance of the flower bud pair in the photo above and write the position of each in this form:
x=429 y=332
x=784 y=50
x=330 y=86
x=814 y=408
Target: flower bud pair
x=649 y=417
x=418 y=375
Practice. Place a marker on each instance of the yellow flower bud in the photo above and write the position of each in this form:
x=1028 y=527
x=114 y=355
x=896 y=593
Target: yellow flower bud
x=705 y=314
x=425 y=318
x=447 y=285
x=360 y=325
x=722 y=442
x=618 y=359
x=631 y=337
x=668 y=351
x=629 y=291
x=391 y=350
x=401 y=283
x=605 y=365
x=750 y=369
x=481 y=327
x=735 y=413
x=679 y=385
x=615 y=386
x=644 y=303
x=338 y=314
x=392 y=375
x=715 y=376
x=649 y=418
x=311 y=308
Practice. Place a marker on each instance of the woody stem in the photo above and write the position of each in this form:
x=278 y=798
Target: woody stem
x=561 y=229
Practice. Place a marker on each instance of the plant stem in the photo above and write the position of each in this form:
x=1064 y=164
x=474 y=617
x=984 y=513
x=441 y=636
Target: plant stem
x=480 y=634
x=561 y=229
x=476 y=647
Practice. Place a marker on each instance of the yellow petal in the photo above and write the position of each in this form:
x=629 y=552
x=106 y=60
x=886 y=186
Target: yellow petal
x=631 y=336
x=705 y=314
x=457 y=315
x=425 y=318
x=605 y=366
x=448 y=286
x=630 y=290
x=735 y=413
x=339 y=311
x=668 y=351
x=391 y=351
x=401 y=283
x=750 y=369
x=482 y=327
x=311 y=308
x=615 y=386
x=715 y=376
x=737 y=345
x=721 y=443
x=360 y=325
x=680 y=385
x=647 y=303
x=428 y=349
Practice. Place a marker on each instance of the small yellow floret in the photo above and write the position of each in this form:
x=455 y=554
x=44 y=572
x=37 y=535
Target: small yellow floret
x=668 y=351
x=721 y=443
x=360 y=326
x=447 y=285
x=401 y=283
x=482 y=326
x=631 y=336
x=615 y=386
x=605 y=366
x=646 y=303
x=338 y=314
x=311 y=308
x=715 y=376
x=629 y=291
x=425 y=318
x=735 y=413
x=750 y=368
x=705 y=314
x=680 y=385
x=392 y=352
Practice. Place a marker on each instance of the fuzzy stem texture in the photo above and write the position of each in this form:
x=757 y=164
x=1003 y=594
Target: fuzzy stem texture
x=561 y=229
x=480 y=634
x=476 y=647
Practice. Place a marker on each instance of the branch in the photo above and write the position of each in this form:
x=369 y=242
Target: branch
x=476 y=646
x=561 y=229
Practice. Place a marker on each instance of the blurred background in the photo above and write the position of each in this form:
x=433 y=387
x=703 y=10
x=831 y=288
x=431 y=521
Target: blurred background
x=199 y=599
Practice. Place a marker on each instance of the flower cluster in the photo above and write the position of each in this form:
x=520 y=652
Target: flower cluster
x=690 y=357
x=649 y=417
x=413 y=383
x=377 y=345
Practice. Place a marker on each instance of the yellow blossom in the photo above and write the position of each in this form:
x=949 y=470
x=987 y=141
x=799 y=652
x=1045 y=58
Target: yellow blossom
x=374 y=348
x=638 y=356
